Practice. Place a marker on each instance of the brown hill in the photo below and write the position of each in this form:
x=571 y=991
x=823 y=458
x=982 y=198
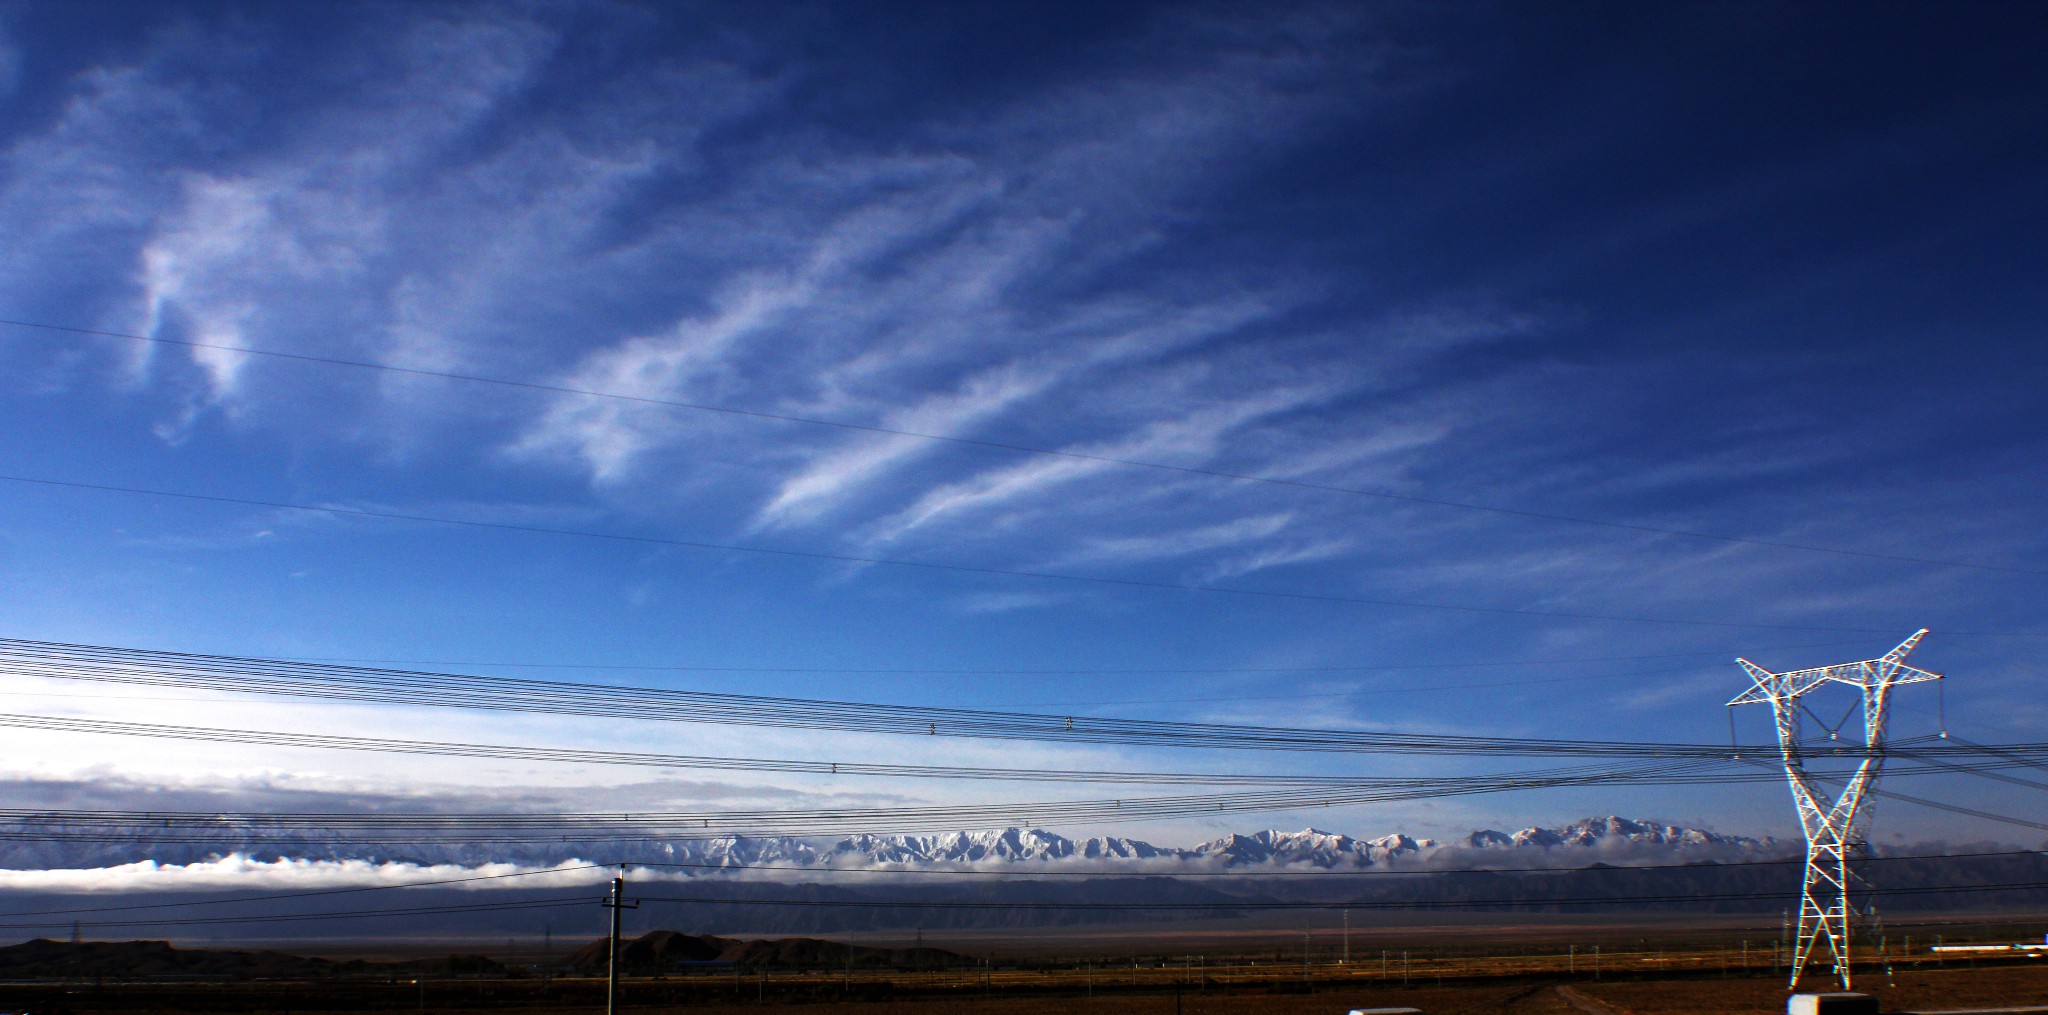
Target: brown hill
x=43 y=958
x=658 y=949
x=661 y=950
x=812 y=953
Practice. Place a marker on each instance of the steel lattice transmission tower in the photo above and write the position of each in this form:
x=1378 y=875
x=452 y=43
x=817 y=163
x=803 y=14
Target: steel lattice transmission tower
x=1834 y=829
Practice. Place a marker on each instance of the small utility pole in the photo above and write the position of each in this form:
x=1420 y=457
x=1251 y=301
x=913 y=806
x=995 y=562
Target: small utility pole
x=615 y=902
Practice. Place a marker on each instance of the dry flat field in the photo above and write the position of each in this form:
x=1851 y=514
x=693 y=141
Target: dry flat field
x=1929 y=989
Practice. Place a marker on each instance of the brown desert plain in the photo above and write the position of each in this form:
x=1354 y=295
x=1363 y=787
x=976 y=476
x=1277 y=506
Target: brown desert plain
x=1670 y=978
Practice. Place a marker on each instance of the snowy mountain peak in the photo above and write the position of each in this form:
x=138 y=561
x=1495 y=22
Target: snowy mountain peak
x=1598 y=839
x=1610 y=837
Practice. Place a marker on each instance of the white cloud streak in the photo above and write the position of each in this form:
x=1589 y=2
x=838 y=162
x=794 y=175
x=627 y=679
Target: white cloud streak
x=240 y=873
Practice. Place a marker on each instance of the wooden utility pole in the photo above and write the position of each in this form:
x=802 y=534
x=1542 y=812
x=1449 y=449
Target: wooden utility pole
x=615 y=902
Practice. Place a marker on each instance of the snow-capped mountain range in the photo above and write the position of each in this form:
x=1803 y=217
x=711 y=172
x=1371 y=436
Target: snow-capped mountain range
x=1592 y=840
x=1580 y=841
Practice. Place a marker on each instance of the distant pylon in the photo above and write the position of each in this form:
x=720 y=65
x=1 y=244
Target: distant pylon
x=1835 y=831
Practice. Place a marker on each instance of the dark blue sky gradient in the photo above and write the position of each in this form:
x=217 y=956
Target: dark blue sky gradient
x=1768 y=271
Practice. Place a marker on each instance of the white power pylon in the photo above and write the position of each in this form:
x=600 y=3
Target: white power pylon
x=1834 y=830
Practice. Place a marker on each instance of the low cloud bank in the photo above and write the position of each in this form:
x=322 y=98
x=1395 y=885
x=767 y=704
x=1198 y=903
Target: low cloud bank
x=240 y=872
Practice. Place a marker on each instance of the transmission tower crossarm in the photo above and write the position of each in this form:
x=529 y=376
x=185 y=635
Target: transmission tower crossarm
x=1887 y=670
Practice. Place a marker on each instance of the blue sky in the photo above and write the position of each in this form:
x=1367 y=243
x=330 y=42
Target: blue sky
x=1747 y=270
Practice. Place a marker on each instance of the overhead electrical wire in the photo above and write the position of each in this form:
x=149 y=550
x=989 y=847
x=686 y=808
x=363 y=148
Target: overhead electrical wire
x=207 y=921
x=1660 y=763
x=514 y=752
x=1665 y=763
x=2036 y=763
x=48 y=825
x=1044 y=672
x=1214 y=905
x=1989 y=773
x=425 y=828
x=1364 y=692
x=328 y=682
x=971 y=569
x=1672 y=764
x=1108 y=703
x=651 y=760
x=1827 y=779
x=1234 y=477
x=1972 y=812
x=215 y=827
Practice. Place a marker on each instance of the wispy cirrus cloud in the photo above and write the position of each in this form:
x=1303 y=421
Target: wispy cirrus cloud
x=388 y=222
x=1192 y=437
x=990 y=276
x=1180 y=543
x=10 y=63
x=934 y=321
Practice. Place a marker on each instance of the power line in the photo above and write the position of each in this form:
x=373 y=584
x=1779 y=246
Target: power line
x=1995 y=776
x=330 y=682
x=1657 y=763
x=35 y=824
x=1034 y=672
x=1355 y=692
x=203 y=921
x=602 y=757
x=437 y=748
x=216 y=827
x=1363 y=692
x=1892 y=794
x=1031 y=450
x=2038 y=764
x=1103 y=703
x=1216 y=905
x=847 y=558
x=58 y=825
